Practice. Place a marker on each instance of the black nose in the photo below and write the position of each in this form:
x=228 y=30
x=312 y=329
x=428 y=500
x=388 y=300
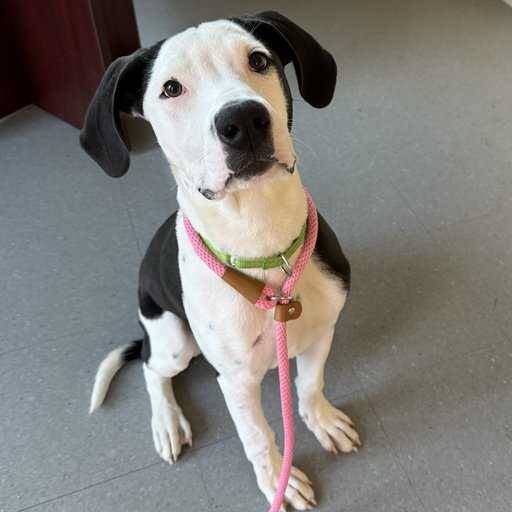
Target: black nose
x=244 y=125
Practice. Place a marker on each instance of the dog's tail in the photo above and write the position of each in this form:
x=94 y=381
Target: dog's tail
x=114 y=361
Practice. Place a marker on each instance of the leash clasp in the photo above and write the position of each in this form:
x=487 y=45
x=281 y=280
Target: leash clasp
x=289 y=310
x=280 y=299
x=286 y=307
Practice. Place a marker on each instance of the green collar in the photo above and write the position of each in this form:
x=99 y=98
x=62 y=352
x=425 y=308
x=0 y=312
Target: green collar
x=279 y=260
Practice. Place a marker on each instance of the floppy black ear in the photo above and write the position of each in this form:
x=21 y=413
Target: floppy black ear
x=315 y=67
x=121 y=89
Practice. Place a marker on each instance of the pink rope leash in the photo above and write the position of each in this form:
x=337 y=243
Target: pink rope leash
x=268 y=300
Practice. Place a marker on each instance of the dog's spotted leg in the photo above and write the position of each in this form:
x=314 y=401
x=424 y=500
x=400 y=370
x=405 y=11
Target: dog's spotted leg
x=169 y=351
x=243 y=399
x=333 y=429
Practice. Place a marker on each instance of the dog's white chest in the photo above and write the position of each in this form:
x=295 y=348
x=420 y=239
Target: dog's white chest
x=231 y=332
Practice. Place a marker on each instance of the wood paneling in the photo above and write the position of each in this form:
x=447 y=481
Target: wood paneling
x=60 y=50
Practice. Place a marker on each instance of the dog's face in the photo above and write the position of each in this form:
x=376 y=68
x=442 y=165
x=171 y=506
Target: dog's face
x=217 y=99
x=217 y=104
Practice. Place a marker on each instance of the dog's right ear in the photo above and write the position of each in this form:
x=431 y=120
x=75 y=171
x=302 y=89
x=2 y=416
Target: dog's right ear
x=121 y=89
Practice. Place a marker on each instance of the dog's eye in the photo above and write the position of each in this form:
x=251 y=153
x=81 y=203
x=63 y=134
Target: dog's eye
x=172 y=88
x=259 y=62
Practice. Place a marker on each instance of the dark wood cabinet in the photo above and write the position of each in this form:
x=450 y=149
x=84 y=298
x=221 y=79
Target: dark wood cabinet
x=57 y=50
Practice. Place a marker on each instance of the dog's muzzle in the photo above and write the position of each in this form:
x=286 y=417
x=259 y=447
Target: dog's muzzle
x=245 y=130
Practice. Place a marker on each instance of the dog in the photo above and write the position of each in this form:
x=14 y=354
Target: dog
x=220 y=106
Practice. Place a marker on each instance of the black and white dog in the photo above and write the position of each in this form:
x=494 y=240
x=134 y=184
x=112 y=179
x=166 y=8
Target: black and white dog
x=220 y=106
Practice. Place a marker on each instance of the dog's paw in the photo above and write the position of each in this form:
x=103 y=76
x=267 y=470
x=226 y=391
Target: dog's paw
x=299 y=493
x=171 y=431
x=333 y=429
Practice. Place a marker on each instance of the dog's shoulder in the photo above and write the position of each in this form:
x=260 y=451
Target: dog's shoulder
x=159 y=275
x=329 y=252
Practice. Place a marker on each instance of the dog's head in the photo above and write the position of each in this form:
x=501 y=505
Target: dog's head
x=217 y=99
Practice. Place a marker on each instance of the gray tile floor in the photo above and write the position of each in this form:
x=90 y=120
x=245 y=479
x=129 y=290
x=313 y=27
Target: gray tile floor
x=412 y=164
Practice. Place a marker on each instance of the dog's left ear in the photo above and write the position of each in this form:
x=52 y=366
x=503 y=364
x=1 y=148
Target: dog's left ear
x=121 y=89
x=315 y=67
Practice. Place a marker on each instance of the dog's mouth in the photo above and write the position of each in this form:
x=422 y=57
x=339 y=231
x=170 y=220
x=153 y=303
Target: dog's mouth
x=249 y=169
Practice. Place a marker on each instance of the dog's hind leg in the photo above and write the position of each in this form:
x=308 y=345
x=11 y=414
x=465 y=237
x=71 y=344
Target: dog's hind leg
x=333 y=429
x=168 y=348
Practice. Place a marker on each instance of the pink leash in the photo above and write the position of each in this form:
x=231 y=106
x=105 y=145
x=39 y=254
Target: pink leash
x=268 y=300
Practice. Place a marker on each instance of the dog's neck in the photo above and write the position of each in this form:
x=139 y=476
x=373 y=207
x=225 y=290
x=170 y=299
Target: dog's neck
x=260 y=220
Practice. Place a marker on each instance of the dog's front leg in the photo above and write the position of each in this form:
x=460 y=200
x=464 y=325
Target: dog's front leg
x=333 y=429
x=243 y=398
x=170 y=427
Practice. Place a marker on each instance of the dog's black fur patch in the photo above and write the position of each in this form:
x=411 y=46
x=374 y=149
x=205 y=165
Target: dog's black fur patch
x=145 y=352
x=133 y=351
x=329 y=251
x=159 y=276
x=134 y=82
x=121 y=89
x=286 y=88
x=315 y=67
x=148 y=307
